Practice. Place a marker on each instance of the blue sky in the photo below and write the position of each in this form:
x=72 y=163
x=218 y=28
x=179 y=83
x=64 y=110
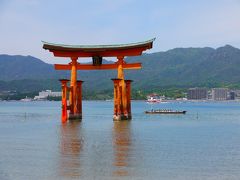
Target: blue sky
x=175 y=23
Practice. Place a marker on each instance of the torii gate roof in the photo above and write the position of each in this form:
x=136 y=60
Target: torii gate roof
x=131 y=49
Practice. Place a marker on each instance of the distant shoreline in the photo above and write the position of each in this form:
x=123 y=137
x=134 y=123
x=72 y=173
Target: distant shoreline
x=133 y=100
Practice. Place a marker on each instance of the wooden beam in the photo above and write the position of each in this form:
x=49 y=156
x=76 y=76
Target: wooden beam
x=62 y=67
x=101 y=67
x=106 y=53
x=132 y=66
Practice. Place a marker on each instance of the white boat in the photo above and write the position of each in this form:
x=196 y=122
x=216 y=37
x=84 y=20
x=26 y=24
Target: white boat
x=154 y=98
x=26 y=99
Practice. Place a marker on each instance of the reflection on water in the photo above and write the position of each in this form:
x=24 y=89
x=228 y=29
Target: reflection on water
x=121 y=147
x=148 y=147
x=71 y=158
x=71 y=144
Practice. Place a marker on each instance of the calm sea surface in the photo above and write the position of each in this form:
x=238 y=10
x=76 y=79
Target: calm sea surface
x=203 y=144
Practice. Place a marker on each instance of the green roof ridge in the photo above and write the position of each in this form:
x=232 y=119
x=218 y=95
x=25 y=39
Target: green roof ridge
x=99 y=46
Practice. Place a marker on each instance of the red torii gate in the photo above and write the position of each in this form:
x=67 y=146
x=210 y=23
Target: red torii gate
x=122 y=87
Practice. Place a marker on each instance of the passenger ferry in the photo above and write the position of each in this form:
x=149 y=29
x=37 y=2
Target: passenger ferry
x=154 y=98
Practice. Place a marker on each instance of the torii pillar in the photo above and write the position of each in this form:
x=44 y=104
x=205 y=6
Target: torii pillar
x=128 y=94
x=75 y=95
x=117 y=101
x=122 y=94
x=64 y=100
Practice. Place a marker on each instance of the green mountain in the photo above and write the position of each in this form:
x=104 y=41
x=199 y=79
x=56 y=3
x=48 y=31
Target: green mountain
x=187 y=67
x=180 y=68
x=24 y=67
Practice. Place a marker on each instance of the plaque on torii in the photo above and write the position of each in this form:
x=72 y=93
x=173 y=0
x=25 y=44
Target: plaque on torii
x=72 y=95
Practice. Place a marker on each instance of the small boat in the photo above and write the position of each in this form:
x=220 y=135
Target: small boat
x=153 y=100
x=165 y=111
x=26 y=99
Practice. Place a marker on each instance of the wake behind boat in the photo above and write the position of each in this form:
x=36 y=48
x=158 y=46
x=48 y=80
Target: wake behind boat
x=165 y=111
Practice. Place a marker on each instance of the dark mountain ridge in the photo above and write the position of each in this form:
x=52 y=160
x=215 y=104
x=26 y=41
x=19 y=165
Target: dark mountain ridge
x=179 y=67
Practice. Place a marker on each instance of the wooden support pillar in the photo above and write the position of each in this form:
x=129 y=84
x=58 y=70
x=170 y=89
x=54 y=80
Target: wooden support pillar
x=117 y=100
x=122 y=85
x=70 y=107
x=73 y=93
x=128 y=93
x=79 y=98
x=64 y=100
x=119 y=113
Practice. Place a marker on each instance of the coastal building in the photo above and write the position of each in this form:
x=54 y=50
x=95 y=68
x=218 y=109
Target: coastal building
x=237 y=93
x=50 y=93
x=232 y=95
x=197 y=94
x=209 y=94
x=47 y=93
x=219 y=94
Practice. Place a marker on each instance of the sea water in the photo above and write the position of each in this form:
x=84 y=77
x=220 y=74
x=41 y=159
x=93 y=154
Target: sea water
x=202 y=144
